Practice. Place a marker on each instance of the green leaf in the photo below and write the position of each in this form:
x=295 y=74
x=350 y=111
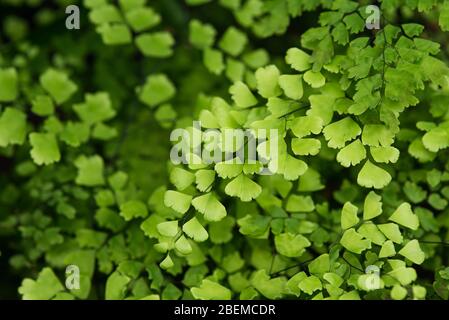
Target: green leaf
x=204 y=179
x=141 y=19
x=109 y=219
x=412 y=251
x=97 y=108
x=105 y=198
x=201 y=35
x=43 y=106
x=195 y=230
x=279 y=107
x=178 y=201
x=372 y=206
x=118 y=180
x=9 y=88
x=221 y=232
x=115 y=34
x=210 y=290
x=293 y=283
x=233 y=41
x=444 y=16
x=243 y=188
x=233 y=262
x=310 y=181
x=257 y=58
x=167 y=263
x=105 y=14
x=418 y=151
x=234 y=70
x=208 y=205
x=227 y=170
x=349 y=216
x=88 y=238
x=371 y=176
x=270 y=288
x=183 y=245
x=433 y=178
x=354 y=23
x=391 y=231
x=340 y=34
x=157 y=89
x=387 y=250
x=297 y=203
x=376 y=135
x=414 y=193
x=267 y=81
x=338 y=133
x=171 y=292
x=241 y=95
x=254 y=225
x=321 y=105
x=434 y=70
x=58 y=85
x=116 y=286
x=168 y=228
x=102 y=131
x=213 y=60
x=404 y=275
x=310 y=284
x=291 y=167
x=404 y=216
x=195 y=275
x=133 y=209
x=53 y=125
x=165 y=115
x=354 y=242
x=427 y=220
x=385 y=154
x=12 y=127
x=181 y=178
x=45 y=287
x=303 y=126
x=372 y=233
x=320 y=265
x=437 y=202
x=90 y=171
x=436 y=139
x=314 y=79
x=157 y=44
x=291 y=84
x=398 y=292
x=45 y=148
x=291 y=245
x=413 y=29
x=305 y=147
x=298 y=59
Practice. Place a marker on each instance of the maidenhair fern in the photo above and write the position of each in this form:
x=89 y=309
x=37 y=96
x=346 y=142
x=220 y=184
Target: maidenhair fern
x=333 y=184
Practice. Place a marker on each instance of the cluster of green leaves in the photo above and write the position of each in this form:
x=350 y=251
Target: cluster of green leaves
x=359 y=178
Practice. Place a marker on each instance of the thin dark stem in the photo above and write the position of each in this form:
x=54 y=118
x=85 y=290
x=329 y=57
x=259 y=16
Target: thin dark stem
x=352 y=266
x=291 y=267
